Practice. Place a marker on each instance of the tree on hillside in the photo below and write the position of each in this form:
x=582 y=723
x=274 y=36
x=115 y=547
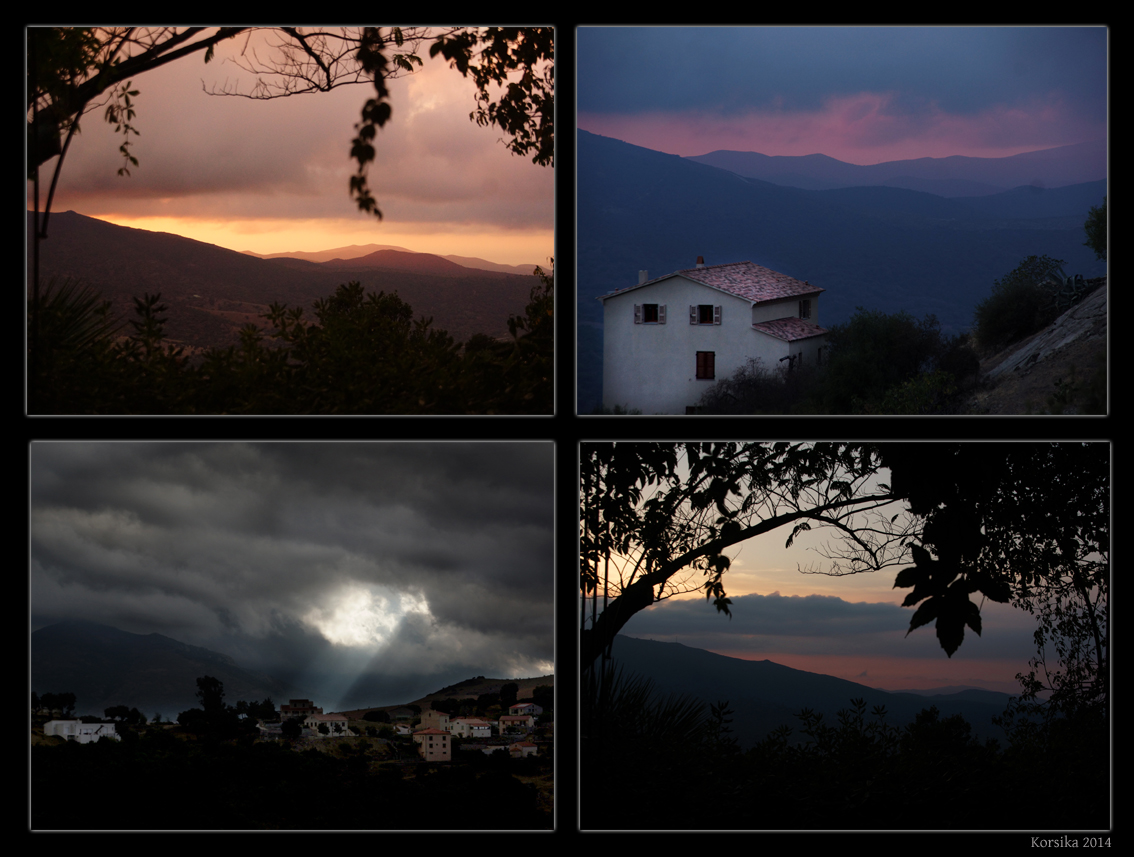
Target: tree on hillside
x=1095 y=228
x=657 y=518
x=1019 y=305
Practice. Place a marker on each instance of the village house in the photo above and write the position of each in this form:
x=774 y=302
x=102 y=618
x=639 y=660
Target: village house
x=470 y=727
x=667 y=340
x=336 y=723
x=433 y=745
x=435 y=720
x=522 y=749
x=299 y=708
x=516 y=723
x=79 y=732
x=524 y=708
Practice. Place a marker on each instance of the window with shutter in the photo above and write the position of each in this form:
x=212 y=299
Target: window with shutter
x=805 y=309
x=706 y=365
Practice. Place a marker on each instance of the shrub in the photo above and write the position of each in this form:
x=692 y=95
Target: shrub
x=1020 y=304
x=875 y=353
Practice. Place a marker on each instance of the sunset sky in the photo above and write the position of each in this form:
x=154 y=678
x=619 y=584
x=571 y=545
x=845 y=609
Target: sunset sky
x=863 y=95
x=273 y=176
x=366 y=573
x=852 y=627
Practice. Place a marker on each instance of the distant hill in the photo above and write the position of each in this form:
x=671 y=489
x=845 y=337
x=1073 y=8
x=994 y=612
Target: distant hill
x=356 y=250
x=211 y=292
x=890 y=249
x=954 y=176
x=400 y=260
x=765 y=695
x=468 y=689
x=104 y=666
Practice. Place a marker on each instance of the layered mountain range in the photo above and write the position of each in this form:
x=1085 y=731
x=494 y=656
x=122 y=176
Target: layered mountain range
x=764 y=695
x=210 y=292
x=856 y=232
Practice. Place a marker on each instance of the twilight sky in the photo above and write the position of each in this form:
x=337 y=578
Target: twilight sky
x=273 y=176
x=852 y=627
x=863 y=95
x=375 y=572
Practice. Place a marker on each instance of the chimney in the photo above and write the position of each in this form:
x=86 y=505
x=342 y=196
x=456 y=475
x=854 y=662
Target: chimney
x=700 y=261
x=643 y=276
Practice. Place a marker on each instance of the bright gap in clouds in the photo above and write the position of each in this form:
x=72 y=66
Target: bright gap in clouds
x=360 y=615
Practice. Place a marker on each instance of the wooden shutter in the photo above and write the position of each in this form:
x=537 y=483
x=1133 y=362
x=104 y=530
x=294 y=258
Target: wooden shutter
x=637 y=313
x=716 y=315
x=694 y=315
x=661 y=313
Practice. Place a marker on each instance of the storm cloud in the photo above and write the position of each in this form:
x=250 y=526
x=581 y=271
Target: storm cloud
x=340 y=566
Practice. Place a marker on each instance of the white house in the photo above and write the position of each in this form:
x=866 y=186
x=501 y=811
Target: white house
x=470 y=727
x=667 y=340
x=82 y=733
x=525 y=708
x=336 y=723
x=522 y=749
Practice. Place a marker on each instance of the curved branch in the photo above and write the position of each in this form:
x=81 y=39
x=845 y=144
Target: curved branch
x=640 y=594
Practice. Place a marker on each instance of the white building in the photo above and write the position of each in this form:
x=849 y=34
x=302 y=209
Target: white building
x=336 y=723
x=667 y=340
x=83 y=733
x=470 y=727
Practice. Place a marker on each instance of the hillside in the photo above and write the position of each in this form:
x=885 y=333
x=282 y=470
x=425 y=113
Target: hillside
x=211 y=292
x=104 y=666
x=1061 y=369
x=468 y=689
x=888 y=249
x=765 y=695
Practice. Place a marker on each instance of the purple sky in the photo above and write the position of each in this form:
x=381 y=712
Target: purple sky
x=863 y=95
x=273 y=176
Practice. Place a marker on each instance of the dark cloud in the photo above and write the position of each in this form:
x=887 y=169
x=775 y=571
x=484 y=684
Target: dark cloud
x=825 y=625
x=736 y=69
x=292 y=554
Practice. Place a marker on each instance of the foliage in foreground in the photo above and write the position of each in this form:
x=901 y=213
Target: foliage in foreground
x=363 y=354
x=167 y=783
x=876 y=364
x=1021 y=303
x=861 y=773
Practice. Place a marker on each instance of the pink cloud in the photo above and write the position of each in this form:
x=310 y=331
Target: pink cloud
x=864 y=128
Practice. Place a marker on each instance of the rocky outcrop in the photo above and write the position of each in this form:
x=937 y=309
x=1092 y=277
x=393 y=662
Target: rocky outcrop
x=1085 y=320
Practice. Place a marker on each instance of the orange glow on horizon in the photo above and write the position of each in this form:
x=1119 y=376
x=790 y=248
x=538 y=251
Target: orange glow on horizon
x=266 y=236
x=894 y=673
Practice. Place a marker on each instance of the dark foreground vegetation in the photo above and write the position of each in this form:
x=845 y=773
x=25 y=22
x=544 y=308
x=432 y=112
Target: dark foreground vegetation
x=363 y=354
x=895 y=364
x=159 y=782
x=658 y=764
x=212 y=772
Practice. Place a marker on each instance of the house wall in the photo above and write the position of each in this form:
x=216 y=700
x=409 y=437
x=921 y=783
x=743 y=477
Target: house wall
x=653 y=367
x=787 y=308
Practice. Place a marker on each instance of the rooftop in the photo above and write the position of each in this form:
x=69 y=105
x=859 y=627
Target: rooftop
x=744 y=279
x=790 y=329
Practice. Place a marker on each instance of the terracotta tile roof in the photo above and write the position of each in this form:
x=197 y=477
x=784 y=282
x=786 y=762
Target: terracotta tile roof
x=744 y=279
x=790 y=329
